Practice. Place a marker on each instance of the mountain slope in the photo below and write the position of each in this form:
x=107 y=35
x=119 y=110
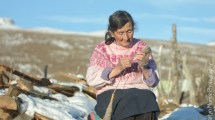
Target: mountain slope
x=30 y=51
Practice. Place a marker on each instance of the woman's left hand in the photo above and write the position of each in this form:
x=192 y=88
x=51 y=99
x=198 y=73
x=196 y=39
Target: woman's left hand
x=142 y=58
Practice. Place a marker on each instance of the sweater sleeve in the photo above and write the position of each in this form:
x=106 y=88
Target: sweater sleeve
x=99 y=69
x=153 y=79
x=94 y=77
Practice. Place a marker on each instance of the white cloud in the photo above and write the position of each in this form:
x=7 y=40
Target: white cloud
x=169 y=3
x=209 y=20
x=169 y=17
x=198 y=31
x=67 y=19
x=173 y=17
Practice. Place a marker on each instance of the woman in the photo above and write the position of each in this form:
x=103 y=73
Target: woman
x=119 y=65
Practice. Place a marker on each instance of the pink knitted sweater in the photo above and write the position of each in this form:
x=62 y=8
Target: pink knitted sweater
x=105 y=57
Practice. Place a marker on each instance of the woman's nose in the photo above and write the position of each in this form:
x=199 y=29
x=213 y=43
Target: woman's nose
x=125 y=36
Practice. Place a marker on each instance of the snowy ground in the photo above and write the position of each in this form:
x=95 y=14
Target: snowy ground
x=80 y=105
x=77 y=107
x=187 y=112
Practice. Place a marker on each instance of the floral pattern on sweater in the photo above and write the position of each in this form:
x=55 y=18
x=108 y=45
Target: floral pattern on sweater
x=107 y=56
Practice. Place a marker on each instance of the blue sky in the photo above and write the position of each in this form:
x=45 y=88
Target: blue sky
x=195 y=19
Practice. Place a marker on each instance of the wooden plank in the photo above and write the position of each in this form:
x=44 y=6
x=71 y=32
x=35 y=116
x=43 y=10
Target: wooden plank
x=91 y=91
x=4 y=115
x=7 y=102
x=73 y=78
x=1 y=76
x=57 y=87
x=38 y=116
x=13 y=91
x=41 y=82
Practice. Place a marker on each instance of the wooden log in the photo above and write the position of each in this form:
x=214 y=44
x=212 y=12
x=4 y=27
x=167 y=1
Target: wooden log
x=23 y=117
x=35 y=94
x=38 y=116
x=13 y=91
x=1 y=80
x=26 y=86
x=13 y=113
x=73 y=78
x=1 y=76
x=66 y=90
x=57 y=87
x=41 y=82
x=68 y=94
x=4 y=79
x=91 y=91
x=7 y=102
x=4 y=115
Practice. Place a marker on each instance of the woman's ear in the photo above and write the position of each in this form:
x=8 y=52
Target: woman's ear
x=111 y=33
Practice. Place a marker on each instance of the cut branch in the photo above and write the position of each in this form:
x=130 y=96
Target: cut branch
x=41 y=82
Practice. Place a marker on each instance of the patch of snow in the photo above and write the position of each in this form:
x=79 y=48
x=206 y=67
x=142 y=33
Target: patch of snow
x=26 y=68
x=3 y=91
x=7 y=23
x=59 y=31
x=211 y=43
x=97 y=33
x=16 y=39
x=80 y=76
x=43 y=90
x=49 y=30
x=77 y=107
x=185 y=113
x=61 y=44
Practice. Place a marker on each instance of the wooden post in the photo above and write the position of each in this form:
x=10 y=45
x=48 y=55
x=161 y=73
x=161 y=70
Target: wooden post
x=160 y=86
x=191 y=82
x=175 y=92
x=1 y=79
x=159 y=60
x=1 y=76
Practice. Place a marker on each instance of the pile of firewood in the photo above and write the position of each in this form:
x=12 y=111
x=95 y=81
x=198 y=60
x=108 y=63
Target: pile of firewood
x=9 y=103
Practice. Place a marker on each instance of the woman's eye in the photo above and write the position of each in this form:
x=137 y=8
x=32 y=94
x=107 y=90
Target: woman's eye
x=130 y=31
x=121 y=33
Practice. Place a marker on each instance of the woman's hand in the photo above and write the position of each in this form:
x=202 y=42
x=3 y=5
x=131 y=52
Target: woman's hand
x=143 y=56
x=122 y=65
x=125 y=62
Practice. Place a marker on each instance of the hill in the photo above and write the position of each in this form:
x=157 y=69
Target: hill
x=30 y=51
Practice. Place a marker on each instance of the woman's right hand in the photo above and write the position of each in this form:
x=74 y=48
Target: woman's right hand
x=122 y=65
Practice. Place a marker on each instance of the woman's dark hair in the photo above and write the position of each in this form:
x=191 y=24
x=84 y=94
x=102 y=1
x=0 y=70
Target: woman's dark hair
x=116 y=21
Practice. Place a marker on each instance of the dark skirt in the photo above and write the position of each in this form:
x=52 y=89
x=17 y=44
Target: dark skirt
x=127 y=103
x=144 y=116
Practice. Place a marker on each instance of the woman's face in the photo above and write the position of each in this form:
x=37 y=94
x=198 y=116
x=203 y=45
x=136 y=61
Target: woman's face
x=124 y=35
